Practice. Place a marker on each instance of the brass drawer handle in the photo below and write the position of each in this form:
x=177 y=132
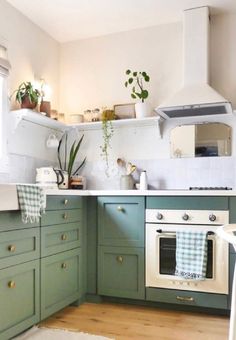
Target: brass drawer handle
x=185 y=298
x=119 y=259
x=11 y=284
x=12 y=248
x=66 y=202
x=65 y=216
x=64 y=237
x=119 y=208
x=63 y=265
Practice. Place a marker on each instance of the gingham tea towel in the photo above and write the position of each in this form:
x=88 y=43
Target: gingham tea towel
x=32 y=202
x=191 y=254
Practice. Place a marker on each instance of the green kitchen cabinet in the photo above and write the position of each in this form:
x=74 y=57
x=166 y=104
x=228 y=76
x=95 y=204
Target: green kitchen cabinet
x=188 y=202
x=121 y=221
x=61 y=281
x=120 y=269
x=19 y=296
x=60 y=237
x=121 y=272
x=63 y=265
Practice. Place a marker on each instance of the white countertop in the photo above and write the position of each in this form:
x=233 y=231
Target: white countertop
x=141 y=192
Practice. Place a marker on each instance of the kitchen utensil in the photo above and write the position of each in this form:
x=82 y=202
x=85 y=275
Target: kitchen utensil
x=120 y=162
x=130 y=168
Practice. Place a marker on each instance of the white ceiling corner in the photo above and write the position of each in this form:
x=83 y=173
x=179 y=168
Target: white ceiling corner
x=67 y=20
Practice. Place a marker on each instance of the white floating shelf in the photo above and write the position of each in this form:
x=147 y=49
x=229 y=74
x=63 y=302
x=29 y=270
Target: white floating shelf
x=120 y=123
x=34 y=117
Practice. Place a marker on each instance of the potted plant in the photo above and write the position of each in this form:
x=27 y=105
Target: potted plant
x=107 y=133
x=136 y=80
x=66 y=162
x=26 y=95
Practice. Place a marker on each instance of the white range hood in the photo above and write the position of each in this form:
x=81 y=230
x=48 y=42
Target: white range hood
x=197 y=97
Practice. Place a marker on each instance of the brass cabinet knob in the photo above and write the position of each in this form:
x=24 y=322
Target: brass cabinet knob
x=119 y=259
x=12 y=248
x=65 y=216
x=11 y=284
x=63 y=265
x=64 y=237
x=66 y=202
x=119 y=208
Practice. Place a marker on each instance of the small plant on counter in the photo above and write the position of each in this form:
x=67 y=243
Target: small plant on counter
x=136 y=80
x=107 y=133
x=26 y=95
x=68 y=163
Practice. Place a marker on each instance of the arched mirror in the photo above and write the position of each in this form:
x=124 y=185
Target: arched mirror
x=201 y=140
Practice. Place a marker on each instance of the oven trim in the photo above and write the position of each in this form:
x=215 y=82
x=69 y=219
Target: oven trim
x=219 y=283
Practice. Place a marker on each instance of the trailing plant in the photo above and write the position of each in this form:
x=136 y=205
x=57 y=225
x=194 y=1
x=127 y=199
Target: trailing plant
x=26 y=90
x=68 y=164
x=107 y=133
x=136 y=80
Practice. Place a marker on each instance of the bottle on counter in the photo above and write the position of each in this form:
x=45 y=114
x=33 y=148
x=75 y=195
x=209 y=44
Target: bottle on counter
x=143 y=181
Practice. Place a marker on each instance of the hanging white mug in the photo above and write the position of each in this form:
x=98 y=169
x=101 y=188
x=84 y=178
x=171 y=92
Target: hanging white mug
x=52 y=141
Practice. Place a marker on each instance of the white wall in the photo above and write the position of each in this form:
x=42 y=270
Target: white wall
x=93 y=70
x=32 y=53
x=92 y=75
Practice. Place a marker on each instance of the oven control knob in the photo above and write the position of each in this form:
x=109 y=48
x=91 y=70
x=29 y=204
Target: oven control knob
x=159 y=216
x=185 y=217
x=212 y=218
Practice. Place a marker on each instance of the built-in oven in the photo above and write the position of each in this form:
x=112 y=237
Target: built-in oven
x=161 y=228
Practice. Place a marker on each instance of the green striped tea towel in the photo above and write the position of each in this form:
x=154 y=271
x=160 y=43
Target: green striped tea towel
x=32 y=202
x=191 y=254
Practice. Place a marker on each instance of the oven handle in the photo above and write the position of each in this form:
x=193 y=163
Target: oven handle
x=170 y=232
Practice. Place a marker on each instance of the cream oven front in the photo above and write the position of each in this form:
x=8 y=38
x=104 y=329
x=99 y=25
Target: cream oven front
x=161 y=228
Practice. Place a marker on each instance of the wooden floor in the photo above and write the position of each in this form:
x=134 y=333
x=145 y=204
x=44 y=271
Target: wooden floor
x=118 y=321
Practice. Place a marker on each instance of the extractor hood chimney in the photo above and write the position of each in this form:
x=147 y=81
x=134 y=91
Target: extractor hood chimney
x=197 y=97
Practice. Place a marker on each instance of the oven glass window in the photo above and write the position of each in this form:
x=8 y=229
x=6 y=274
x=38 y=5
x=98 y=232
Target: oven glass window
x=168 y=261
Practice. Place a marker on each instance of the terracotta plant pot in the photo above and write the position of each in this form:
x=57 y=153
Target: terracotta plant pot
x=27 y=104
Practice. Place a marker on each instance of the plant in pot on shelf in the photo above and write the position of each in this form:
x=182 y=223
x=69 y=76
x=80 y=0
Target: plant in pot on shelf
x=27 y=96
x=107 y=133
x=68 y=156
x=137 y=80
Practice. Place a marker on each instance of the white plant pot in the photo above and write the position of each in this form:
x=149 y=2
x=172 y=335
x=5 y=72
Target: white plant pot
x=142 y=110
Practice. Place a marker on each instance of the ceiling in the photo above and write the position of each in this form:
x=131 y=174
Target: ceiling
x=67 y=20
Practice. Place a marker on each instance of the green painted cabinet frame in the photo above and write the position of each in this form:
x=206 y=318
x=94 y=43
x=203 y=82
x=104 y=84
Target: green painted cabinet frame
x=121 y=272
x=121 y=221
x=19 y=296
x=61 y=281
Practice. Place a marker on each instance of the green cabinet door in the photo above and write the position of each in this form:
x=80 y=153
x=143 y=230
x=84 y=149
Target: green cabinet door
x=61 y=281
x=61 y=216
x=19 y=298
x=60 y=237
x=19 y=246
x=121 y=272
x=57 y=202
x=121 y=221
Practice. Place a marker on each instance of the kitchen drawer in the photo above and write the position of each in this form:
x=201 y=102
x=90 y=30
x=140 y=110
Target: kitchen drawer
x=61 y=281
x=10 y=220
x=19 y=296
x=63 y=202
x=61 y=216
x=19 y=246
x=61 y=237
x=121 y=221
x=121 y=272
x=183 y=297
x=188 y=202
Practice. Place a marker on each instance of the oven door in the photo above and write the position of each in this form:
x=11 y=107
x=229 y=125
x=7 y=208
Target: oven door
x=160 y=260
